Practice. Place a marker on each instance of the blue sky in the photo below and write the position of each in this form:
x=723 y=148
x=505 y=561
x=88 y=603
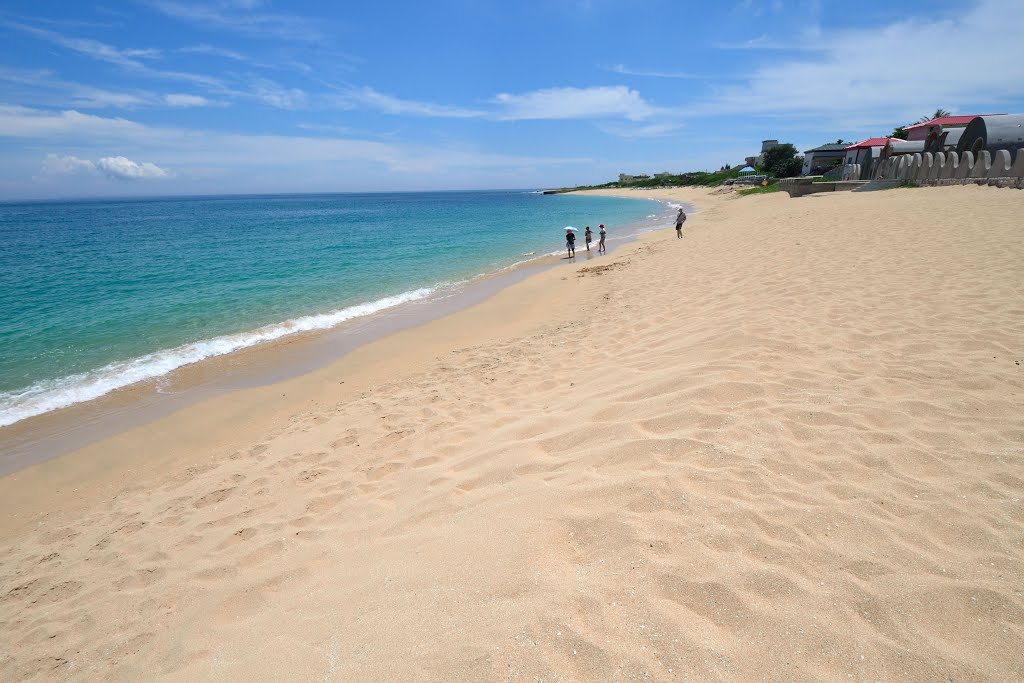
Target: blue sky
x=149 y=97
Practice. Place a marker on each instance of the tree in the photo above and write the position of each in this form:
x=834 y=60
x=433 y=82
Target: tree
x=840 y=141
x=939 y=113
x=782 y=162
x=899 y=133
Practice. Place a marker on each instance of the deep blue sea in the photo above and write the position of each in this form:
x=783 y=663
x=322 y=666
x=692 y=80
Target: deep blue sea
x=96 y=295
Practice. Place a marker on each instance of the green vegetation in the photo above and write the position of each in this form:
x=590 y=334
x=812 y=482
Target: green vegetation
x=782 y=161
x=697 y=178
x=900 y=132
x=939 y=113
x=779 y=162
x=761 y=189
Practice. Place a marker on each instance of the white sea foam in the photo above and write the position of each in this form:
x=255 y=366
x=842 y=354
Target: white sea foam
x=43 y=397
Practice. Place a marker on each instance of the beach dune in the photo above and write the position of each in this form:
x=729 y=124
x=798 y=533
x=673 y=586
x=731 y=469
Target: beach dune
x=788 y=447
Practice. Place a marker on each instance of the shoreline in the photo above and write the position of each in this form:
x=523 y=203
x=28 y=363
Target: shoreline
x=60 y=431
x=787 y=446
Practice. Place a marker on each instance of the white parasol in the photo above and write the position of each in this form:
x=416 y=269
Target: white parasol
x=569 y=227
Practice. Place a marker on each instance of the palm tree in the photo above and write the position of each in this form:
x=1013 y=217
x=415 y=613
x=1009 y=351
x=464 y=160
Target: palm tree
x=939 y=113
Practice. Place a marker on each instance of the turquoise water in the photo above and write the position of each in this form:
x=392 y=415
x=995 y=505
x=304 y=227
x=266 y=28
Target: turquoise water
x=101 y=294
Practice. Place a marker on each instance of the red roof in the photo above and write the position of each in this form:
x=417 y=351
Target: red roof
x=870 y=142
x=948 y=121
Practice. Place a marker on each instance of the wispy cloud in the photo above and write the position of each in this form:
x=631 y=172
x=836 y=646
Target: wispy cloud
x=575 y=103
x=238 y=17
x=836 y=90
x=627 y=71
x=370 y=98
x=179 y=146
x=276 y=95
x=214 y=51
x=45 y=86
x=91 y=48
x=89 y=97
x=602 y=102
x=803 y=41
x=54 y=165
x=654 y=130
x=186 y=100
x=129 y=59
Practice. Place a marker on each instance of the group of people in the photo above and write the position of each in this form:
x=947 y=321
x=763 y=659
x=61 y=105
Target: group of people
x=588 y=235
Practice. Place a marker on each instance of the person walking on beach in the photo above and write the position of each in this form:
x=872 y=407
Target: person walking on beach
x=570 y=242
x=600 y=245
x=680 y=219
x=588 y=235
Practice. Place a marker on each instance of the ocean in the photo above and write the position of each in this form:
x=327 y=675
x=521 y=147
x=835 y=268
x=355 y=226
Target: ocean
x=101 y=294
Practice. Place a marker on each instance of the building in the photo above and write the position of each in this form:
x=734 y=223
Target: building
x=765 y=146
x=863 y=154
x=663 y=174
x=993 y=133
x=941 y=134
x=934 y=127
x=626 y=178
x=823 y=158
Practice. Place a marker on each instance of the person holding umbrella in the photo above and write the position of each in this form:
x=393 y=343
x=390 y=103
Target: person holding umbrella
x=570 y=241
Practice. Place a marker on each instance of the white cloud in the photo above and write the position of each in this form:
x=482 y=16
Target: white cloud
x=125 y=58
x=66 y=165
x=575 y=103
x=627 y=71
x=890 y=74
x=275 y=95
x=239 y=160
x=97 y=98
x=115 y=168
x=214 y=51
x=654 y=130
x=394 y=105
x=185 y=100
x=89 y=47
x=121 y=168
x=23 y=122
x=239 y=20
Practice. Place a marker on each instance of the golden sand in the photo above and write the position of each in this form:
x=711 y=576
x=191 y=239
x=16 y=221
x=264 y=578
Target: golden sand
x=787 y=447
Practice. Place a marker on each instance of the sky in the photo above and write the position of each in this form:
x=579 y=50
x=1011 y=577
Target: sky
x=171 y=97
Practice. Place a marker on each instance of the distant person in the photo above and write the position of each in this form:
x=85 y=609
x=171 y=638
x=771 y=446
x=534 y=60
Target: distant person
x=588 y=235
x=680 y=219
x=601 y=249
x=570 y=242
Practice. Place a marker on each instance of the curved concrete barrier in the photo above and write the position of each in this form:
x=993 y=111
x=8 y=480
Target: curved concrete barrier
x=938 y=165
x=1001 y=165
x=902 y=167
x=927 y=165
x=1018 y=164
x=982 y=165
x=952 y=166
x=966 y=164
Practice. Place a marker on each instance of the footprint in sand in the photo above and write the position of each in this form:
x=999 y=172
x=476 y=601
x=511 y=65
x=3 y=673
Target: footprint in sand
x=324 y=503
x=60 y=593
x=424 y=462
x=213 y=497
x=140 y=579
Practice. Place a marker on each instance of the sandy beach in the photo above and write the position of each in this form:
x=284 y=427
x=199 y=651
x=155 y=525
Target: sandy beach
x=789 y=447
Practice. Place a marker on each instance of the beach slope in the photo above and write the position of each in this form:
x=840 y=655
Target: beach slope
x=788 y=447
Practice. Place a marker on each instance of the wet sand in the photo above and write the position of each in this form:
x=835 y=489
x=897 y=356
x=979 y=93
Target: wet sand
x=786 y=447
